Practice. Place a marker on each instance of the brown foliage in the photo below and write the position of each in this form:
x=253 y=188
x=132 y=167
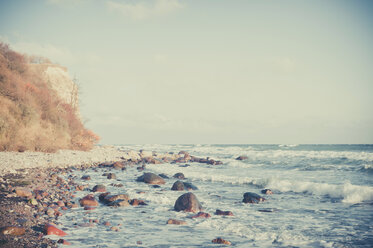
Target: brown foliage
x=32 y=117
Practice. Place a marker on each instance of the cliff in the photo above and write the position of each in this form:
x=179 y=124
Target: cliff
x=39 y=106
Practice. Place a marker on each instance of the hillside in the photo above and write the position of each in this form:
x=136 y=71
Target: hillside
x=39 y=108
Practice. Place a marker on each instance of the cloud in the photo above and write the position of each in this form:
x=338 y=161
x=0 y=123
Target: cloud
x=144 y=10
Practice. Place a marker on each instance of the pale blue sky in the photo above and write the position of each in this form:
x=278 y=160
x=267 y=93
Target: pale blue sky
x=169 y=71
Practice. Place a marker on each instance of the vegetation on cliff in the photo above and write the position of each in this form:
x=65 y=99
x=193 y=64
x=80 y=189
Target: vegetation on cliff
x=32 y=115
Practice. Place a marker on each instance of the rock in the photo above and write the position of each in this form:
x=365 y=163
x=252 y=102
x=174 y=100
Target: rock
x=250 y=197
x=185 y=165
x=201 y=215
x=242 y=158
x=118 y=165
x=12 y=230
x=107 y=223
x=22 y=192
x=137 y=202
x=88 y=201
x=114 y=228
x=102 y=196
x=188 y=202
x=151 y=178
x=225 y=213
x=89 y=208
x=51 y=229
x=164 y=176
x=119 y=203
x=33 y=201
x=178 y=186
x=99 y=188
x=86 y=177
x=183 y=153
x=179 y=175
x=111 y=176
x=176 y=222
x=267 y=191
x=113 y=198
x=189 y=186
x=221 y=241
x=64 y=242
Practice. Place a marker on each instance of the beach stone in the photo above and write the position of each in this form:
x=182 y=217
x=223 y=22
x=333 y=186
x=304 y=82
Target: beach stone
x=151 y=178
x=102 y=196
x=99 y=188
x=119 y=203
x=86 y=177
x=178 y=186
x=88 y=201
x=225 y=213
x=189 y=186
x=111 y=176
x=51 y=229
x=176 y=222
x=118 y=165
x=267 y=191
x=22 y=192
x=179 y=175
x=137 y=202
x=250 y=197
x=113 y=198
x=114 y=228
x=89 y=208
x=164 y=176
x=64 y=242
x=12 y=230
x=242 y=158
x=201 y=215
x=221 y=241
x=107 y=223
x=188 y=202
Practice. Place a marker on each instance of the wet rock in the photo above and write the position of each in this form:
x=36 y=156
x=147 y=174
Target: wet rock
x=179 y=175
x=89 y=208
x=112 y=198
x=176 y=222
x=118 y=165
x=22 y=192
x=242 y=158
x=114 y=228
x=102 y=196
x=151 y=178
x=221 y=241
x=185 y=165
x=12 y=230
x=178 y=186
x=183 y=153
x=64 y=242
x=88 y=201
x=164 y=176
x=118 y=203
x=188 y=202
x=60 y=203
x=51 y=229
x=49 y=212
x=201 y=215
x=86 y=177
x=225 y=213
x=267 y=191
x=189 y=186
x=137 y=202
x=250 y=197
x=111 y=176
x=106 y=223
x=99 y=188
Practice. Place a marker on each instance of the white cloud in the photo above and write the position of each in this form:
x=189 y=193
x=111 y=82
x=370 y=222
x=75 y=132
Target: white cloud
x=144 y=10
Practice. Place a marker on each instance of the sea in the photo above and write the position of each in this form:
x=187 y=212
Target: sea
x=322 y=197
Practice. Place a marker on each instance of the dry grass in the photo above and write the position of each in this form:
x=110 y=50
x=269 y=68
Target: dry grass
x=32 y=117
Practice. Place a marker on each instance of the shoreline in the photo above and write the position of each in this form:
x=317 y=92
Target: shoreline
x=34 y=195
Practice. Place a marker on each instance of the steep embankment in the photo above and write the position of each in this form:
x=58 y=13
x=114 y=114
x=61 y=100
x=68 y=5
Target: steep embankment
x=38 y=107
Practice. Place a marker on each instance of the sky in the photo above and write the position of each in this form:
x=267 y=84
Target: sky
x=209 y=71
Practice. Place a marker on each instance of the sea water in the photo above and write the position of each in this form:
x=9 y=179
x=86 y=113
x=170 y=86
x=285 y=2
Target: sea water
x=322 y=197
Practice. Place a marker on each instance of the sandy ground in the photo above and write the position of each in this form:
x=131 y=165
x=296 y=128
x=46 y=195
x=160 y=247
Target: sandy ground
x=10 y=162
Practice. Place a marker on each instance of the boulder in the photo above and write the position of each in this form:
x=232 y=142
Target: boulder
x=102 y=196
x=88 y=201
x=137 y=202
x=188 y=202
x=221 y=241
x=225 y=213
x=179 y=175
x=242 y=158
x=176 y=222
x=86 y=177
x=201 y=215
x=151 y=178
x=51 y=229
x=99 y=188
x=178 y=186
x=119 y=203
x=164 y=176
x=250 y=197
x=112 y=198
x=12 y=230
x=189 y=186
x=118 y=165
x=267 y=191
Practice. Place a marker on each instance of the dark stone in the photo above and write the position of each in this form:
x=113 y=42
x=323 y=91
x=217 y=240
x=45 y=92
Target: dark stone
x=164 y=176
x=242 y=158
x=189 y=186
x=111 y=176
x=188 y=202
x=86 y=177
x=225 y=213
x=250 y=197
x=151 y=178
x=178 y=186
x=179 y=175
x=99 y=188
x=267 y=191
